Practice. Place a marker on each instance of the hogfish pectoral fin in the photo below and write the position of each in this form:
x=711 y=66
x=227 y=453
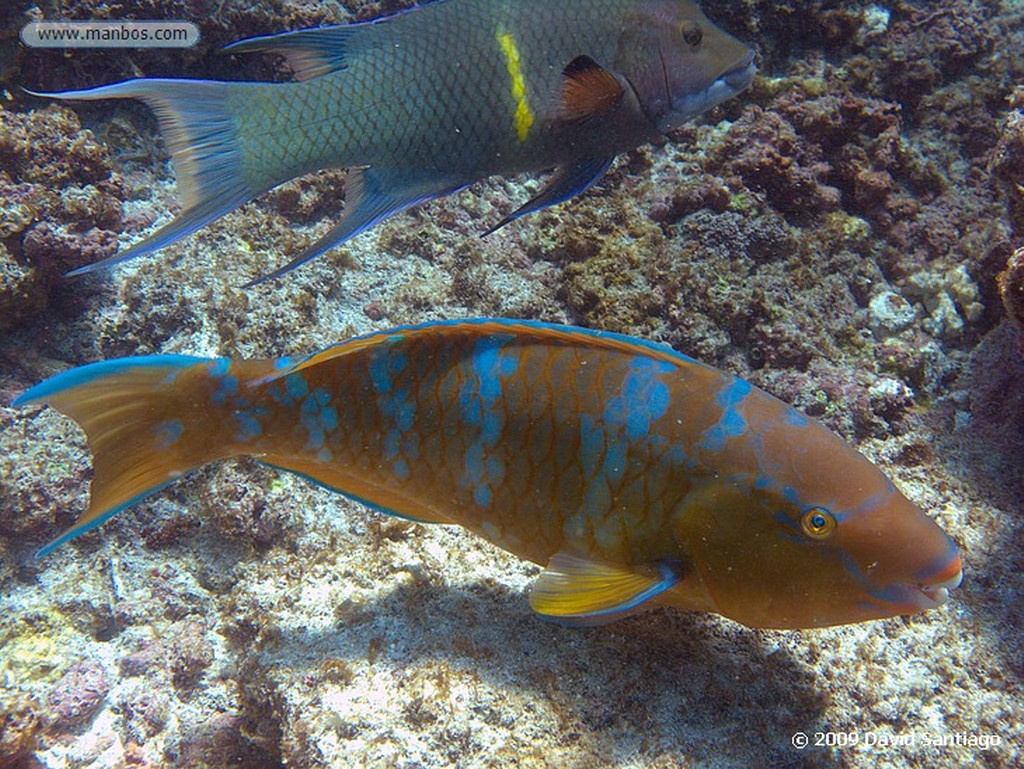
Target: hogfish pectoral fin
x=372 y=195
x=568 y=181
x=588 y=91
x=582 y=592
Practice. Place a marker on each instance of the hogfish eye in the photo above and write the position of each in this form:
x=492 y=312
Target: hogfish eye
x=817 y=522
x=692 y=33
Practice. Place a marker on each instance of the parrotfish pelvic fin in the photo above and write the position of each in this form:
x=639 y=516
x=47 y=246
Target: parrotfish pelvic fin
x=567 y=182
x=133 y=424
x=204 y=147
x=578 y=591
x=371 y=195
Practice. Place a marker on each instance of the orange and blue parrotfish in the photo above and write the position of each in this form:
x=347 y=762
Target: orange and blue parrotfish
x=425 y=102
x=635 y=475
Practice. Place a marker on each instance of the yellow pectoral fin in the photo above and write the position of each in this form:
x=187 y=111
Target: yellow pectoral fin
x=575 y=590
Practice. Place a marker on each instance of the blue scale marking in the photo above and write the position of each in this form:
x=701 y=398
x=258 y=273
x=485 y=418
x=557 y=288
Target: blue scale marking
x=732 y=423
x=400 y=442
x=226 y=388
x=248 y=426
x=318 y=417
x=480 y=406
x=642 y=400
x=168 y=433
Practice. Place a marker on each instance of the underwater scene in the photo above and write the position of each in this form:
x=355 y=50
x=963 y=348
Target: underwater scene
x=531 y=383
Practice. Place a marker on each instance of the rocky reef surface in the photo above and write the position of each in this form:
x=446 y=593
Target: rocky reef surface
x=846 y=235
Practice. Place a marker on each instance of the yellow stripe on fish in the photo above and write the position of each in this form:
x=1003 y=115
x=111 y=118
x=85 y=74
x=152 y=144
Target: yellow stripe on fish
x=433 y=99
x=523 y=117
x=638 y=477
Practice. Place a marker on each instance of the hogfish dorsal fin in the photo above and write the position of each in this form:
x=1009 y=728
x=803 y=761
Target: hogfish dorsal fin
x=579 y=591
x=318 y=51
x=310 y=53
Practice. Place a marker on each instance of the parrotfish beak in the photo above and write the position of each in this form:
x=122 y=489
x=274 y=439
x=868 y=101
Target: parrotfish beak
x=930 y=590
x=934 y=590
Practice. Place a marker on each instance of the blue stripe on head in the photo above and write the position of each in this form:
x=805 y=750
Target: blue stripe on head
x=938 y=564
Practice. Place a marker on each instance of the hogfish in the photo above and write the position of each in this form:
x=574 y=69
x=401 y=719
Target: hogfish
x=425 y=102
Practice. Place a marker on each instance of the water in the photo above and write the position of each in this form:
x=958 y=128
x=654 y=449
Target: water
x=833 y=235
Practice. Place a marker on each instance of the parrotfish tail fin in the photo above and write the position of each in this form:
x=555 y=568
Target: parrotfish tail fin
x=205 y=149
x=138 y=416
x=371 y=195
x=567 y=182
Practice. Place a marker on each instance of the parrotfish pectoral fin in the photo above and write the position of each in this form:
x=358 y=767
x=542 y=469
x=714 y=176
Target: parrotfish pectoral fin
x=370 y=196
x=204 y=145
x=589 y=90
x=568 y=181
x=132 y=411
x=578 y=591
x=309 y=52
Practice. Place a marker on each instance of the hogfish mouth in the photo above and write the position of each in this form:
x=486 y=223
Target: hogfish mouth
x=741 y=76
x=687 y=106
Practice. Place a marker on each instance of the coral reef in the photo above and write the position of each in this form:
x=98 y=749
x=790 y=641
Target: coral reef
x=62 y=205
x=78 y=694
x=848 y=235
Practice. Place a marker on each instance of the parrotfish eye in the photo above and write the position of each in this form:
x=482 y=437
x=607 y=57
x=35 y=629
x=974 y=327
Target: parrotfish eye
x=692 y=33
x=818 y=523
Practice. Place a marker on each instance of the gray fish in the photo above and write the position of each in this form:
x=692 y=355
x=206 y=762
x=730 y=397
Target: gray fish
x=426 y=102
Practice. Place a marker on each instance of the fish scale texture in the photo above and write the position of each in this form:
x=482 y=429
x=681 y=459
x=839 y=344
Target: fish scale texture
x=431 y=91
x=521 y=439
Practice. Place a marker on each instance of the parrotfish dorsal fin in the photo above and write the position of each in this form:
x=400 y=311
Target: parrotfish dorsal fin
x=574 y=590
x=534 y=330
x=589 y=90
x=310 y=53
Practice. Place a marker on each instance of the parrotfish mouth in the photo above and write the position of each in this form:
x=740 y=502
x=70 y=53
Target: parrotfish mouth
x=935 y=593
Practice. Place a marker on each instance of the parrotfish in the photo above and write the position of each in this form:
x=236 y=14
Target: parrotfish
x=427 y=101
x=635 y=475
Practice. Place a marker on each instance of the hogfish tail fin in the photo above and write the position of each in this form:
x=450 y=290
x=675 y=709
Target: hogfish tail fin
x=144 y=422
x=198 y=120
